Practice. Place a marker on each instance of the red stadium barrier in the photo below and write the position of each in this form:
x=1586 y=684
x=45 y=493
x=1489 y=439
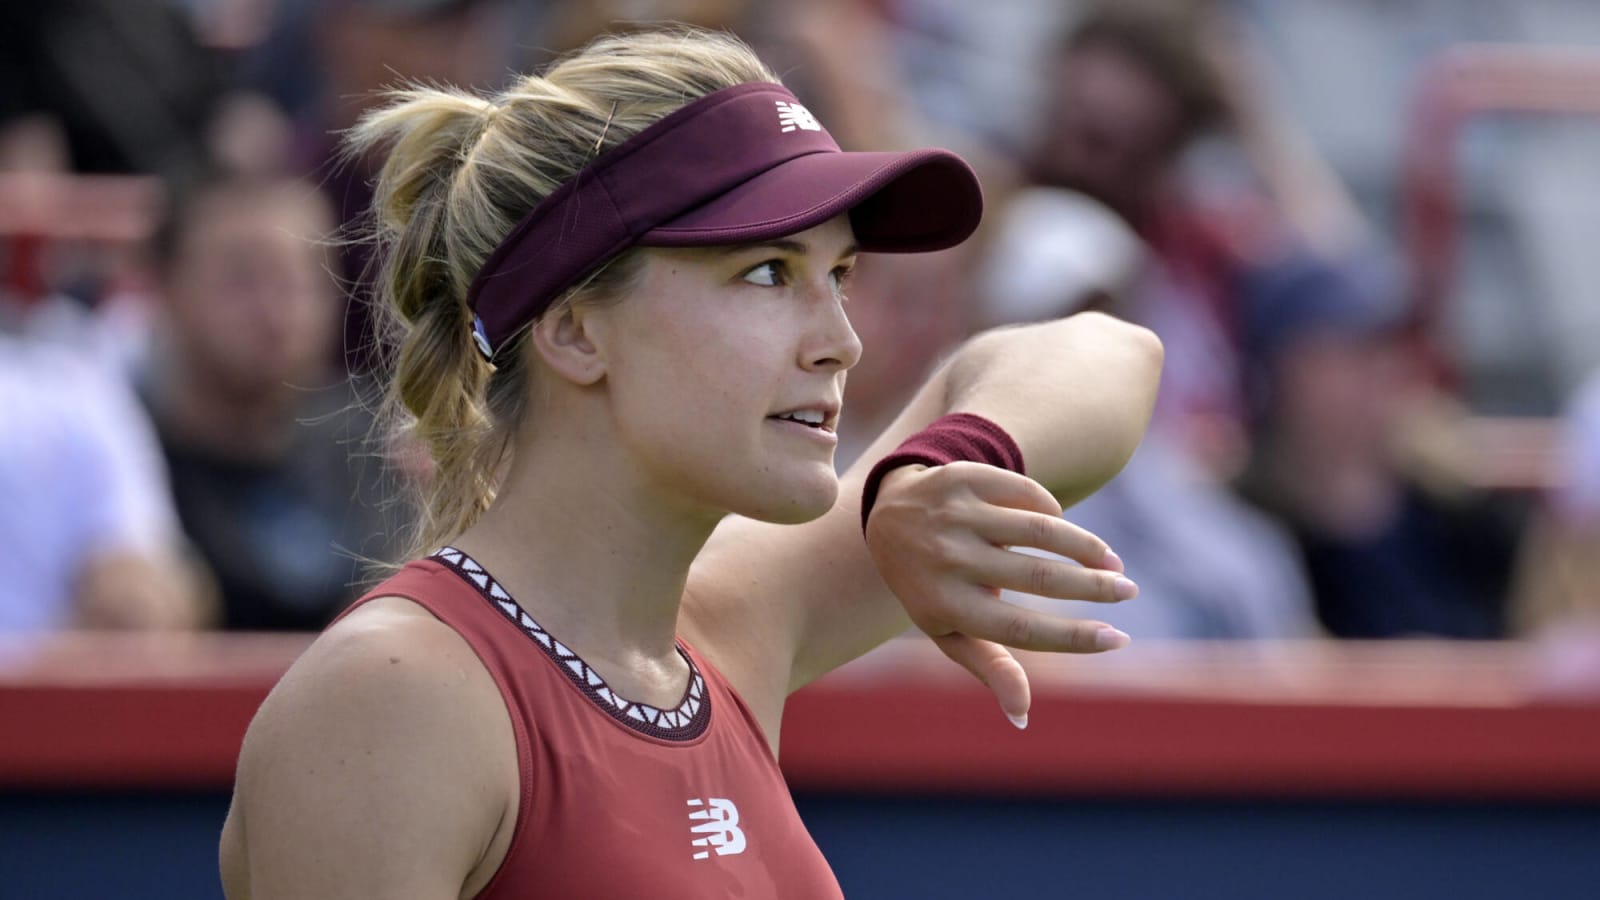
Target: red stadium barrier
x=1298 y=720
x=1381 y=721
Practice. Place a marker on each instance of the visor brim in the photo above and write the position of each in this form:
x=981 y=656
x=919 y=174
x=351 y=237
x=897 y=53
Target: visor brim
x=908 y=202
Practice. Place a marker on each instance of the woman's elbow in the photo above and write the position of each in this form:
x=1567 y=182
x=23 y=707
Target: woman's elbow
x=1140 y=347
x=1131 y=357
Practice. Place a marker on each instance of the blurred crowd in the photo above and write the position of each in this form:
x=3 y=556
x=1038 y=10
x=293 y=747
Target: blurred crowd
x=1341 y=448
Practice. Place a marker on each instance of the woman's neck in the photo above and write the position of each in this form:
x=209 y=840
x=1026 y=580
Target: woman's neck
x=596 y=559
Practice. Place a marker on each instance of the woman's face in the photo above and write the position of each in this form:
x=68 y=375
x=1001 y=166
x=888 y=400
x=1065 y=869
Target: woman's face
x=726 y=367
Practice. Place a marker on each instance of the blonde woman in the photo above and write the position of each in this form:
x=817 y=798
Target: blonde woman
x=620 y=286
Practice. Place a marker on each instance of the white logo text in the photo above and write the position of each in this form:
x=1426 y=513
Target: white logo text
x=719 y=823
x=793 y=115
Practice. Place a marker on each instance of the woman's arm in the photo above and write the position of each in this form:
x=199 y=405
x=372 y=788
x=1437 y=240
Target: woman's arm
x=777 y=606
x=381 y=765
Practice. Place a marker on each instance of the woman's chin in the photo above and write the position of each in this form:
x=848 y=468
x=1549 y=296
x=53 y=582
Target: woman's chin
x=797 y=502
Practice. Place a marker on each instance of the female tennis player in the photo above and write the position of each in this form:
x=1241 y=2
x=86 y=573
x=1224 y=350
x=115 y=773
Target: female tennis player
x=621 y=287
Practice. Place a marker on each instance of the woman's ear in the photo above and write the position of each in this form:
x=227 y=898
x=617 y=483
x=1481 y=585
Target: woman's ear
x=565 y=346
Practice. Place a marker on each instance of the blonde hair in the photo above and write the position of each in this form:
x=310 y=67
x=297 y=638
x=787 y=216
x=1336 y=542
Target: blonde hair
x=461 y=170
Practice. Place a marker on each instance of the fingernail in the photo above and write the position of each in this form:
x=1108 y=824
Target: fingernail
x=1125 y=589
x=1020 y=721
x=1113 y=562
x=1108 y=638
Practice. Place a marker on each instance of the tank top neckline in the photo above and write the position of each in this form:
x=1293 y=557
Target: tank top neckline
x=684 y=723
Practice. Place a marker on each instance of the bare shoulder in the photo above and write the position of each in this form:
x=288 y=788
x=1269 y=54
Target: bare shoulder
x=388 y=650
x=378 y=766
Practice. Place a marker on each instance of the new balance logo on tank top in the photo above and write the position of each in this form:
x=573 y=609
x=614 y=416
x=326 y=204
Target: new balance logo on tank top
x=621 y=799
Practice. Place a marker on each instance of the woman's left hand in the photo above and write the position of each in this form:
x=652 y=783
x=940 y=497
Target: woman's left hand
x=941 y=539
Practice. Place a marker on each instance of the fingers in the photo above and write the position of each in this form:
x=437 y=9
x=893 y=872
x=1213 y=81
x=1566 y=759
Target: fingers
x=1018 y=512
x=1048 y=576
x=1016 y=528
x=967 y=540
x=996 y=668
x=1005 y=488
x=1027 y=629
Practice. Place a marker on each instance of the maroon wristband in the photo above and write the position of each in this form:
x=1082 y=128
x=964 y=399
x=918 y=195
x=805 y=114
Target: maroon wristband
x=957 y=436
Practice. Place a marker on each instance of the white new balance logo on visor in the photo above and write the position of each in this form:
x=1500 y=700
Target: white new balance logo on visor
x=719 y=822
x=792 y=116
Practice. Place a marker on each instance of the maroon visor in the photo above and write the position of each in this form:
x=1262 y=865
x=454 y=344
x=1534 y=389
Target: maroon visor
x=744 y=164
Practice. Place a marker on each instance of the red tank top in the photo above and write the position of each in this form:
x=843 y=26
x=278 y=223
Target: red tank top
x=619 y=799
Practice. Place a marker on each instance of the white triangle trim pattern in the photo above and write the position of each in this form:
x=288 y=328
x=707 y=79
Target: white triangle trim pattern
x=686 y=716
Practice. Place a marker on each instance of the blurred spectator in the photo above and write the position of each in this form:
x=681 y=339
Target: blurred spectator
x=1558 y=583
x=1389 y=554
x=328 y=62
x=569 y=24
x=88 y=534
x=88 y=537
x=1132 y=92
x=125 y=81
x=355 y=48
x=69 y=270
x=1115 y=220
x=1556 y=594
x=262 y=436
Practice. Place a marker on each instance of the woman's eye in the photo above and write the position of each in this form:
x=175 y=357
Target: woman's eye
x=839 y=278
x=768 y=274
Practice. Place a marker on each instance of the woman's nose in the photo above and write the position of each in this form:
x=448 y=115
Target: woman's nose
x=834 y=343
